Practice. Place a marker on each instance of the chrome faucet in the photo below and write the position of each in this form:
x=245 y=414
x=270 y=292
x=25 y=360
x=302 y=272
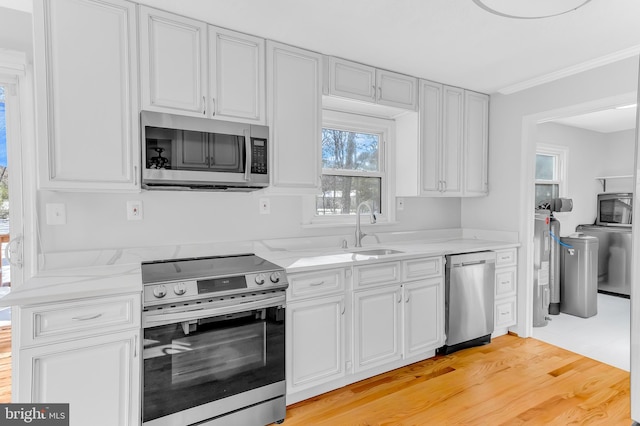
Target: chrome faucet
x=359 y=234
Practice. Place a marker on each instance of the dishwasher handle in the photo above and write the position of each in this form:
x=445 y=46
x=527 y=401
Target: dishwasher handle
x=470 y=259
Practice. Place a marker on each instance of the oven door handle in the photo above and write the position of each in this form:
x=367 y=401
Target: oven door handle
x=152 y=319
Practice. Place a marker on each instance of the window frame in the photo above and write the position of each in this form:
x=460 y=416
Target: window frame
x=561 y=154
x=360 y=123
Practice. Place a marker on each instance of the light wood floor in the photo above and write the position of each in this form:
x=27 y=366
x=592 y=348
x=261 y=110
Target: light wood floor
x=5 y=364
x=511 y=381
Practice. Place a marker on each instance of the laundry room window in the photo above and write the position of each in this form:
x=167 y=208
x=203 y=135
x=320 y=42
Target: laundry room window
x=550 y=172
x=355 y=166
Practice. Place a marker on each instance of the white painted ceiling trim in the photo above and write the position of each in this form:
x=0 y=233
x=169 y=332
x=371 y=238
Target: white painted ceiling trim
x=576 y=69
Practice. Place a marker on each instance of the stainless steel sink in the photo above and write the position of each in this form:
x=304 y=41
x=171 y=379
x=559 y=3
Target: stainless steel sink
x=377 y=252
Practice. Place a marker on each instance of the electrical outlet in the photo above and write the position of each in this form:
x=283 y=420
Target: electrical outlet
x=56 y=214
x=400 y=203
x=134 y=210
x=265 y=206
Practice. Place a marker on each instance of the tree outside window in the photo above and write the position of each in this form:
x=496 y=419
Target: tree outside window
x=351 y=171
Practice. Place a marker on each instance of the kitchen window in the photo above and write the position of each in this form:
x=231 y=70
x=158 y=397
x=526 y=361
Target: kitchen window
x=550 y=172
x=355 y=166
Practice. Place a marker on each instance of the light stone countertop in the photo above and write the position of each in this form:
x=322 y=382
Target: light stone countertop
x=106 y=278
x=308 y=260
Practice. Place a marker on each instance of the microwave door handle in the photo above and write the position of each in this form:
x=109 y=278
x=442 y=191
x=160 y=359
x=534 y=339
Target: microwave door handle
x=247 y=149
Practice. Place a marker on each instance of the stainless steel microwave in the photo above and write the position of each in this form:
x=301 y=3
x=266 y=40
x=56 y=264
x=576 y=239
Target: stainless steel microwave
x=615 y=209
x=180 y=152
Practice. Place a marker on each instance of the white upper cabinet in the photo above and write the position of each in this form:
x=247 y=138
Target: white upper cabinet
x=476 y=143
x=397 y=90
x=451 y=137
x=294 y=90
x=361 y=82
x=173 y=63
x=191 y=68
x=86 y=75
x=236 y=75
x=452 y=140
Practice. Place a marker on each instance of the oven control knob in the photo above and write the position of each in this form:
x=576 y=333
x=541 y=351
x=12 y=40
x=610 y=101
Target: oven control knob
x=260 y=279
x=160 y=291
x=180 y=289
x=275 y=277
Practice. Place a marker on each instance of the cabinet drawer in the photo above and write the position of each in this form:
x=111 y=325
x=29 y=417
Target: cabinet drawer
x=421 y=268
x=378 y=273
x=506 y=281
x=505 y=313
x=507 y=257
x=316 y=283
x=70 y=320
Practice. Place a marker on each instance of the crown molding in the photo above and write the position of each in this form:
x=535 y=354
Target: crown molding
x=576 y=69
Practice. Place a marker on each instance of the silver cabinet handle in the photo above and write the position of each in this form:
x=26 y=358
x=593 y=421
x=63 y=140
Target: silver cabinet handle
x=204 y=105
x=408 y=298
x=135 y=175
x=380 y=92
x=135 y=347
x=86 y=317
x=213 y=106
x=344 y=308
x=316 y=283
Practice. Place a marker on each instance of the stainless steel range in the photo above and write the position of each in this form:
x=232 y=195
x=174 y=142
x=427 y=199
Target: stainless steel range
x=214 y=341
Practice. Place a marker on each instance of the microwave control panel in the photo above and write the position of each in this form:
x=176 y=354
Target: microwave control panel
x=259 y=156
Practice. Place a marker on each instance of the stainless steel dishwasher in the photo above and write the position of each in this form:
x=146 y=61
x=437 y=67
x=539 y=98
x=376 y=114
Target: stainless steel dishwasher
x=469 y=300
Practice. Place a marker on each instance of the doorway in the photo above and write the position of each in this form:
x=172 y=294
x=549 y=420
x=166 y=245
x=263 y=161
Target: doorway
x=600 y=148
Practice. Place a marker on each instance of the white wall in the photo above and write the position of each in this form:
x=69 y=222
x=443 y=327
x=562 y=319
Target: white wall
x=589 y=155
x=97 y=221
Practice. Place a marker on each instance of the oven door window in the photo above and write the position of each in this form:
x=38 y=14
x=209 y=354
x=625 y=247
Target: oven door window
x=195 y=362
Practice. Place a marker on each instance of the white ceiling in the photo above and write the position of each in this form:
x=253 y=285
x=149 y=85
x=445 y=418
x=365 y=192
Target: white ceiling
x=450 y=41
x=606 y=121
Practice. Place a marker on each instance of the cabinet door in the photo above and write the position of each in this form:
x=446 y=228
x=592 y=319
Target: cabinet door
x=476 y=143
x=423 y=316
x=396 y=90
x=315 y=342
x=86 y=79
x=430 y=137
x=89 y=374
x=352 y=80
x=236 y=76
x=172 y=62
x=377 y=326
x=452 y=140
x=295 y=106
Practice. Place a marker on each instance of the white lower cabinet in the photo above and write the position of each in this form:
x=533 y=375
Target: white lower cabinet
x=347 y=324
x=423 y=316
x=89 y=371
x=506 y=292
x=89 y=374
x=378 y=326
x=315 y=353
